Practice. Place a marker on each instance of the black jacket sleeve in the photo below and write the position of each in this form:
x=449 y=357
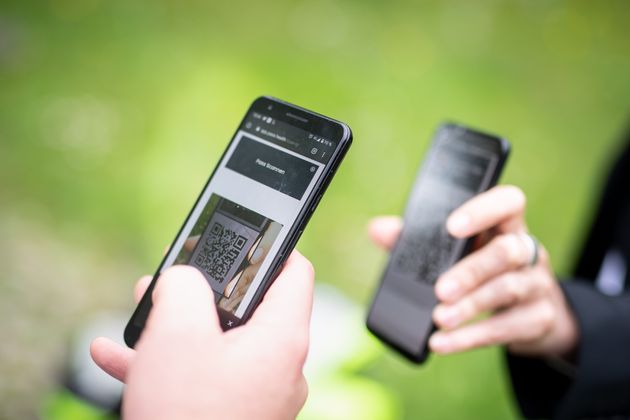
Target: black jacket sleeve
x=599 y=387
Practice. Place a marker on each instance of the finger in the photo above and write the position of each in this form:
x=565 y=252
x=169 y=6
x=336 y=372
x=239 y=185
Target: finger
x=258 y=255
x=504 y=253
x=141 y=287
x=384 y=230
x=526 y=322
x=111 y=357
x=501 y=292
x=191 y=243
x=183 y=300
x=232 y=284
x=289 y=301
x=502 y=207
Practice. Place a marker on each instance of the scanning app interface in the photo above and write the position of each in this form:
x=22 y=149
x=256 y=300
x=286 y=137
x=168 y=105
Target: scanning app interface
x=249 y=207
x=455 y=172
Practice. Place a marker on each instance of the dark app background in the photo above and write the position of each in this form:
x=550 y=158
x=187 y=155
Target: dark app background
x=269 y=166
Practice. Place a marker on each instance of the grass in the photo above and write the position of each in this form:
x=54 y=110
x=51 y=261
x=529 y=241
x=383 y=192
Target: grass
x=113 y=114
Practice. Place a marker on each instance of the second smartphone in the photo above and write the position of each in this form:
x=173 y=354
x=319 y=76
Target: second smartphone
x=254 y=207
x=460 y=164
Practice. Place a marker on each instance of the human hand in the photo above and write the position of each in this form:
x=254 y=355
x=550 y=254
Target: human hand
x=186 y=367
x=528 y=311
x=237 y=287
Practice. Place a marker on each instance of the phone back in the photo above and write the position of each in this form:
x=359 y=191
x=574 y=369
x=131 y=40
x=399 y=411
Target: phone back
x=460 y=164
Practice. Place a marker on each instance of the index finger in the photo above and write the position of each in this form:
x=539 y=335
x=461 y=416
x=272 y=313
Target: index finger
x=502 y=206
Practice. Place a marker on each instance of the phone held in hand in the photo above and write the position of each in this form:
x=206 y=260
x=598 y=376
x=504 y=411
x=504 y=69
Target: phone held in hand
x=254 y=207
x=460 y=164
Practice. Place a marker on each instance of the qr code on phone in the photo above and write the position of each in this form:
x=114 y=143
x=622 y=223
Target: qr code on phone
x=218 y=252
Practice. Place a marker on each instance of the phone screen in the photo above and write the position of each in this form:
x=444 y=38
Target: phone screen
x=460 y=164
x=247 y=210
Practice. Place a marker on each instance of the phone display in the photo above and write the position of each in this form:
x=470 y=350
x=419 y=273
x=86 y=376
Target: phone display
x=460 y=164
x=228 y=244
x=254 y=207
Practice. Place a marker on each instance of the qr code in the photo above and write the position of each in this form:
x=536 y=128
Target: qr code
x=219 y=251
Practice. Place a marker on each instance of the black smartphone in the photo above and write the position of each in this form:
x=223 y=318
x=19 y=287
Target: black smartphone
x=460 y=164
x=254 y=207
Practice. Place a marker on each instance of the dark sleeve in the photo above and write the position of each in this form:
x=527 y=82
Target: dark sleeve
x=600 y=385
x=607 y=217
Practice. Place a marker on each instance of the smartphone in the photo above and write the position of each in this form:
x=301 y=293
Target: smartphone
x=460 y=164
x=253 y=209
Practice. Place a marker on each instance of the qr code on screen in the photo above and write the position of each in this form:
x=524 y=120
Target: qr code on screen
x=219 y=251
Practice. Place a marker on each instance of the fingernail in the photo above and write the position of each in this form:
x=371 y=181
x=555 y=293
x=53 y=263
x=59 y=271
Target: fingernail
x=447 y=289
x=256 y=256
x=458 y=223
x=439 y=343
x=448 y=316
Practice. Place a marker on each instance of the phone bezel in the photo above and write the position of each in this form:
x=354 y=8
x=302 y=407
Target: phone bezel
x=300 y=117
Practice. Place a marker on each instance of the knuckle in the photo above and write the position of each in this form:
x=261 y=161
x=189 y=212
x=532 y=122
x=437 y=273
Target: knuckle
x=515 y=289
x=471 y=306
x=507 y=250
x=480 y=338
x=545 y=285
x=466 y=309
x=465 y=341
x=469 y=275
x=483 y=339
x=485 y=299
x=546 y=315
x=488 y=298
x=493 y=336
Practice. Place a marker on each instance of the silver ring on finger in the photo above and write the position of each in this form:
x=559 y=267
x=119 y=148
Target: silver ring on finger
x=534 y=248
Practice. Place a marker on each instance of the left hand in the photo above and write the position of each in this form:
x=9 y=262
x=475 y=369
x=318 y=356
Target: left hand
x=528 y=311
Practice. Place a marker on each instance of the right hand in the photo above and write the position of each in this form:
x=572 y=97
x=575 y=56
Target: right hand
x=186 y=367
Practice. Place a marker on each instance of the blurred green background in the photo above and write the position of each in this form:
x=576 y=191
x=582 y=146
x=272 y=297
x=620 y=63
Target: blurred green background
x=113 y=113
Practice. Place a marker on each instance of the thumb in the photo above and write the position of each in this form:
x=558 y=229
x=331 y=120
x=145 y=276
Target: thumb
x=183 y=300
x=111 y=357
